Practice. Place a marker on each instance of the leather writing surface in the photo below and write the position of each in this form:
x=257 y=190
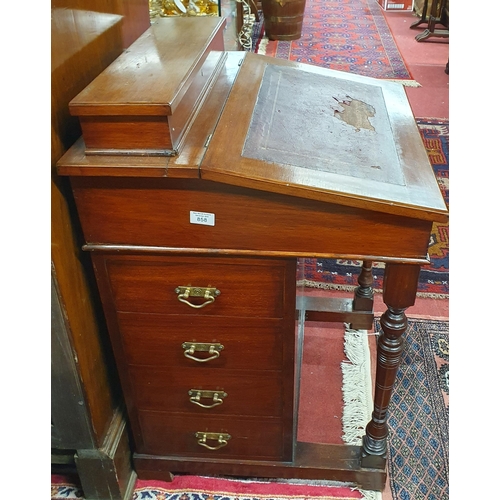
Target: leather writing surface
x=323 y=123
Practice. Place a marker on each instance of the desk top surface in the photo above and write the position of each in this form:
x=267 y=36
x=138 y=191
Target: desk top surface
x=321 y=134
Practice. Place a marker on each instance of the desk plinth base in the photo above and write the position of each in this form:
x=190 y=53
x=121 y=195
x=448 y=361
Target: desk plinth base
x=312 y=461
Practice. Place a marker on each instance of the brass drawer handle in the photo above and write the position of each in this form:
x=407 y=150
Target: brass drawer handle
x=185 y=292
x=215 y=396
x=220 y=437
x=192 y=347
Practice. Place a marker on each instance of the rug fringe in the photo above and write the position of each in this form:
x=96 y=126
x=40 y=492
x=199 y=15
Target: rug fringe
x=370 y=495
x=357 y=392
x=356 y=387
x=405 y=83
x=351 y=288
x=263 y=46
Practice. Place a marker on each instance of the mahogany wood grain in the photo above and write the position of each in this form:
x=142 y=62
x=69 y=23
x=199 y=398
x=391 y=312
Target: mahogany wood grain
x=166 y=84
x=155 y=213
x=248 y=287
x=135 y=20
x=115 y=132
x=157 y=339
x=185 y=164
x=158 y=69
x=251 y=393
x=277 y=274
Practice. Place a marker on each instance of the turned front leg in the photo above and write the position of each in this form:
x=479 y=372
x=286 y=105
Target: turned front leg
x=363 y=296
x=400 y=289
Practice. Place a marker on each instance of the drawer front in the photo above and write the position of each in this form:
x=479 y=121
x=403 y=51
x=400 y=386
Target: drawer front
x=164 y=434
x=221 y=392
x=160 y=340
x=248 y=287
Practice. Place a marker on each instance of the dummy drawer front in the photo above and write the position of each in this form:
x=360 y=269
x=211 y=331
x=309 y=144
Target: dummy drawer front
x=247 y=393
x=167 y=434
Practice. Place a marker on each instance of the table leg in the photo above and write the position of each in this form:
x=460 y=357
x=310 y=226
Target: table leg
x=435 y=17
x=423 y=17
x=400 y=288
x=363 y=296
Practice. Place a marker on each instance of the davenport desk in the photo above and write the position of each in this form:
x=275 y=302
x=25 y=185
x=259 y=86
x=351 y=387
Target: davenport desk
x=200 y=178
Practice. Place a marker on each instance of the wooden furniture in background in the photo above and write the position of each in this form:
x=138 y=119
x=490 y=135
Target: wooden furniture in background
x=433 y=12
x=88 y=423
x=195 y=253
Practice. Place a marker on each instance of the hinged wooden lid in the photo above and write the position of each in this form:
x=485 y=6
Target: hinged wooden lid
x=145 y=100
x=321 y=134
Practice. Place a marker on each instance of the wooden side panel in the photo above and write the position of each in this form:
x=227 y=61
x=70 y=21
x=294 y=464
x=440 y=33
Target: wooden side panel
x=87 y=35
x=132 y=132
x=157 y=213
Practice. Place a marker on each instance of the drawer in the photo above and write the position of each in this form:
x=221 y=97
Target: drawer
x=157 y=340
x=165 y=434
x=239 y=393
x=248 y=287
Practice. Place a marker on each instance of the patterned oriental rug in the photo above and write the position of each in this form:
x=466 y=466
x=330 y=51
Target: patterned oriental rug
x=345 y=35
x=418 y=464
x=434 y=278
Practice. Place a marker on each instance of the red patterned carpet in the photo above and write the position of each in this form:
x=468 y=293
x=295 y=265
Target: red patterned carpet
x=200 y=488
x=346 y=35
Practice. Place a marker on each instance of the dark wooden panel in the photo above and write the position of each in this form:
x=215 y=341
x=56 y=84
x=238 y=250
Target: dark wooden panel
x=248 y=393
x=312 y=461
x=106 y=473
x=248 y=287
x=71 y=425
x=154 y=339
x=175 y=434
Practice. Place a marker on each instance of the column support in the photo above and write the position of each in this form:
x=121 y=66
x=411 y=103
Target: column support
x=400 y=289
x=363 y=296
